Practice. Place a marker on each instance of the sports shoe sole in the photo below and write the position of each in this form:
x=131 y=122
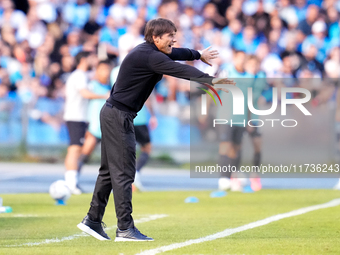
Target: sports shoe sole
x=123 y=239
x=91 y=232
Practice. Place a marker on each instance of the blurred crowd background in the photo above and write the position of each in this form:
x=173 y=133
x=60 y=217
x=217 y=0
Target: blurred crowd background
x=40 y=38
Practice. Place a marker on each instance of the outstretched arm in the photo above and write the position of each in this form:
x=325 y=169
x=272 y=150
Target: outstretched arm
x=162 y=64
x=185 y=54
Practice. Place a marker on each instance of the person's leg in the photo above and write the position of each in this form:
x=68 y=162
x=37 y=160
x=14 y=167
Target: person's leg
x=144 y=156
x=255 y=181
x=227 y=157
x=118 y=166
x=92 y=223
x=76 y=133
x=86 y=151
x=123 y=156
x=225 y=146
x=117 y=171
x=73 y=153
x=143 y=138
x=102 y=188
x=229 y=152
x=257 y=144
x=141 y=161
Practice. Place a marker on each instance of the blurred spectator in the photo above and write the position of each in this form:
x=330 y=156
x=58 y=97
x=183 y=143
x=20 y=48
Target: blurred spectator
x=46 y=10
x=332 y=65
x=109 y=36
x=310 y=63
x=334 y=24
x=287 y=13
x=231 y=14
x=305 y=25
x=7 y=35
x=189 y=18
x=99 y=11
x=261 y=20
x=33 y=30
x=219 y=44
x=300 y=9
x=67 y=63
x=56 y=35
x=274 y=41
x=91 y=28
x=247 y=41
x=231 y=32
x=291 y=50
x=168 y=9
x=287 y=69
x=210 y=12
x=271 y=63
x=129 y=40
x=73 y=42
x=318 y=39
x=276 y=24
x=76 y=13
x=11 y=17
x=122 y=12
x=147 y=9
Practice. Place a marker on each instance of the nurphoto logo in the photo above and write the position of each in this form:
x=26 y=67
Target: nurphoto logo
x=239 y=105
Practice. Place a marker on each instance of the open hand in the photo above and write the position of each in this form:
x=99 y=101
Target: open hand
x=207 y=55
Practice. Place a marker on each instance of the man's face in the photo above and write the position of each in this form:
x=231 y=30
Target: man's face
x=165 y=42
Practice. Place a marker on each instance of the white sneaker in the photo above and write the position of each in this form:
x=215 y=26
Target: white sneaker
x=138 y=183
x=76 y=191
x=224 y=183
x=337 y=186
x=236 y=185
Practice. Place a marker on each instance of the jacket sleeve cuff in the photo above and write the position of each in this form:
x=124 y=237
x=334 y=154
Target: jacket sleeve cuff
x=200 y=52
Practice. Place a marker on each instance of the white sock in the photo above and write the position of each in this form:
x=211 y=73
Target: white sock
x=71 y=179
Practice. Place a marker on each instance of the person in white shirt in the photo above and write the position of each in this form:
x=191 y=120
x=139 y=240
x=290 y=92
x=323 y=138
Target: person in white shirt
x=75 y=116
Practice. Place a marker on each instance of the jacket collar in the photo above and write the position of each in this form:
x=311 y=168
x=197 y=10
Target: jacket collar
x=152 y=46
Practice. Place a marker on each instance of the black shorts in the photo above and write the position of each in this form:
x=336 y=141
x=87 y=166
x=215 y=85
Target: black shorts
x=76 y=131
x=232 y=134
x=142 y=134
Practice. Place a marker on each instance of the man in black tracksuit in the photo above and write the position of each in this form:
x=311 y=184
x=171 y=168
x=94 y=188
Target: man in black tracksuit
x=141 y=69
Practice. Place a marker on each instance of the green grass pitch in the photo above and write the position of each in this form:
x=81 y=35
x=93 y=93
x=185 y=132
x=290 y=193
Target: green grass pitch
x=36 y=219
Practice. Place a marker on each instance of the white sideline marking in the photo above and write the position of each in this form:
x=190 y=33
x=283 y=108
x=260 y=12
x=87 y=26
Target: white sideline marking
x=68 y=238
x=231 y=231
x=9 y=215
